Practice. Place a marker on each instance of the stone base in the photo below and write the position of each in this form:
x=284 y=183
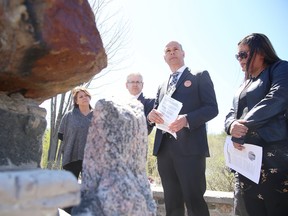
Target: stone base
x=37 y=192
x=219 y=203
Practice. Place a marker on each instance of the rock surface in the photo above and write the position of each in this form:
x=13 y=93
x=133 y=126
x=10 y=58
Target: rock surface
x=22 y=124
x=114 y=180
x=48 y=47
x=37 y=192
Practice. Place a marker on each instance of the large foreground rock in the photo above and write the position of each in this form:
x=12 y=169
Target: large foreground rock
x=48 y=47
x=114 y=180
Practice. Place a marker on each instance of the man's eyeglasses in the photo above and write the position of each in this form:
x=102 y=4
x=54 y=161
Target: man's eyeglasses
x=134 y=82
x=241 y=55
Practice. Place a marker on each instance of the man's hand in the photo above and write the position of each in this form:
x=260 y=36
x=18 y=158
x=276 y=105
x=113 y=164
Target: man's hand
x=155 y=117
x=178 y=124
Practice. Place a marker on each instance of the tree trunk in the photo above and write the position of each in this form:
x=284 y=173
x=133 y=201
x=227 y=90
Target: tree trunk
x=53 y=156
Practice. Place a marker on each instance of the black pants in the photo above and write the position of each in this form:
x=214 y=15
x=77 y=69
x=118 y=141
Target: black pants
x=239 y=204
x=75 y=167
x=183 y=180
x=267 y=207
x=270 y=196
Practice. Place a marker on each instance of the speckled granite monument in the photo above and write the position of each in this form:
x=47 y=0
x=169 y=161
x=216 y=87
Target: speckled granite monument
x=114 y=180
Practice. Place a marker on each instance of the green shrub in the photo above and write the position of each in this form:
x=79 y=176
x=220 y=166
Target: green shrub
x=218 y=176
x=45 y=148
x=151 y=164
x=45 y=164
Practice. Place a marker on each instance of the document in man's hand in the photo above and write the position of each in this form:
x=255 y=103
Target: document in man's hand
x=169 y=108
x=247 y=161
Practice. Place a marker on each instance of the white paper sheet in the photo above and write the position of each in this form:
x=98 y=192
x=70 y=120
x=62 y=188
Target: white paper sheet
x=169 y=108
x=247 y=162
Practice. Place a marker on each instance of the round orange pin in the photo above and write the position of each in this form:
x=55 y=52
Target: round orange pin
x=187 y=83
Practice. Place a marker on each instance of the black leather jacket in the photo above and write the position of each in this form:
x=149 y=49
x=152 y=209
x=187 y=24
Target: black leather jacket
x=267 y=101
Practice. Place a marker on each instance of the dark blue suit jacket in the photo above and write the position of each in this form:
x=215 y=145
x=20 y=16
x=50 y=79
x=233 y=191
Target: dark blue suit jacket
x=196 y=93
x=148 y=104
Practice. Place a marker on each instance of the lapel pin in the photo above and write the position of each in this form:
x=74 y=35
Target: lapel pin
x=187 y=83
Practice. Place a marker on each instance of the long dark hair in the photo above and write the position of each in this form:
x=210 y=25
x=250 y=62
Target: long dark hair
x=259 y=44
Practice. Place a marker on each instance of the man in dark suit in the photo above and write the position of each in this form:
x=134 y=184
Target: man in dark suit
x=135 y=84
x=182 y=161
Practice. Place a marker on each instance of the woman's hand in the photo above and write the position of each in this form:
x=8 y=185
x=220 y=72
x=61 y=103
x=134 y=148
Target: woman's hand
x=238 y=129
x=238 y=146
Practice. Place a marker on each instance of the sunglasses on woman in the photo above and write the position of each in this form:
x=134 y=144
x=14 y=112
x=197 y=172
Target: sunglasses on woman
x=241 y=55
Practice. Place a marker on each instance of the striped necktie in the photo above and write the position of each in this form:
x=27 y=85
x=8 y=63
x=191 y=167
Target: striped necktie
x=173 y=81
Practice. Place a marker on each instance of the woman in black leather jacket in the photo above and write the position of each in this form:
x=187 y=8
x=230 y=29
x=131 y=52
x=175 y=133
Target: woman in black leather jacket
x=258 y=116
